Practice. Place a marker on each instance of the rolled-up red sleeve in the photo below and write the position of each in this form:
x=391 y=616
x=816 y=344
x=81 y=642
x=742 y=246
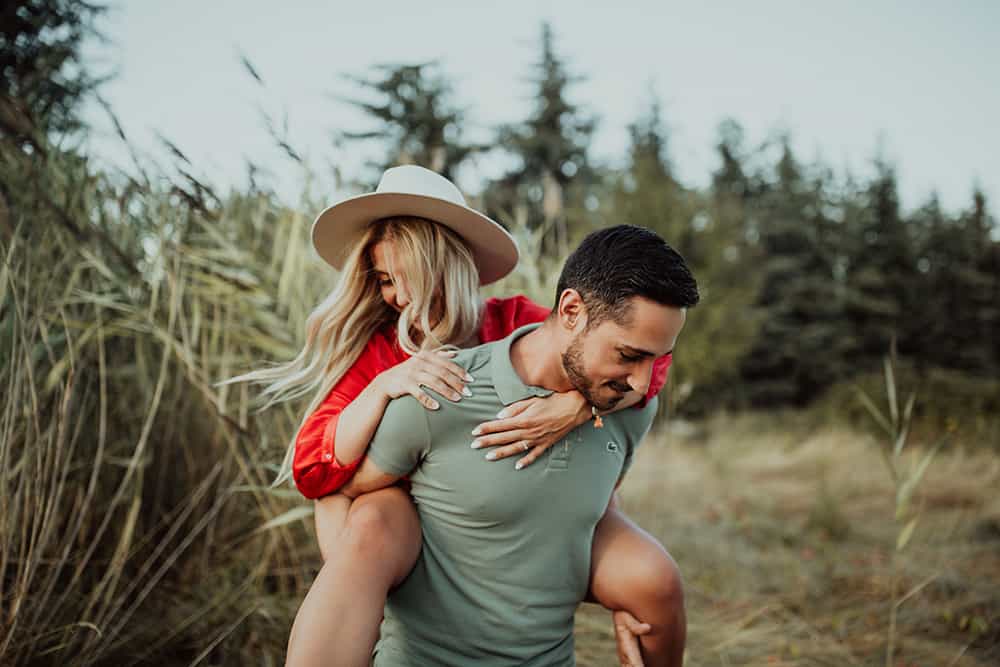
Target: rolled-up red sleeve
x=659 y=378
x=315 y=468
x=501 y=316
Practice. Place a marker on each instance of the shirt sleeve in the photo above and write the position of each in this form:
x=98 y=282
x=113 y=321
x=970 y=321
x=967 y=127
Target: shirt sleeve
x=403 y=437
x=638 y=429
x=315 y=468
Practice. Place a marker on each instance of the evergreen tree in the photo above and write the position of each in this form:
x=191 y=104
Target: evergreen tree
x=714 y=246
x=882 y=275
x=553 y=170
x=415 y=116
x=41 y=78
x=646 y=192
x=730 y=179
x=984 y=287
x=799 y=350
x=958 y=311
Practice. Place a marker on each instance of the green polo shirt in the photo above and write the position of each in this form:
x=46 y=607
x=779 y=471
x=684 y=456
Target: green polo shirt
x=506 y=553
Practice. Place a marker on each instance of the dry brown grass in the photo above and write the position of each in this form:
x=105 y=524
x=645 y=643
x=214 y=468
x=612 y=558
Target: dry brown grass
x=784 y=539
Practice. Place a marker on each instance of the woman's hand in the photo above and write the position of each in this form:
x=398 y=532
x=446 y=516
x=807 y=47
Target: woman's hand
x=531 y=426
x=628 y=629
x=425 y=369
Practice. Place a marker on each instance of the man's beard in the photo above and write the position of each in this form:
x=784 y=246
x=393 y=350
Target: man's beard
x=572 y=361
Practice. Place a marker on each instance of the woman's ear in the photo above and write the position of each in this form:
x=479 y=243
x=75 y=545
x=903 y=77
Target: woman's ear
x=571 y=310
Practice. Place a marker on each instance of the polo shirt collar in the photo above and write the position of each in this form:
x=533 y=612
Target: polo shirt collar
x=509 y=386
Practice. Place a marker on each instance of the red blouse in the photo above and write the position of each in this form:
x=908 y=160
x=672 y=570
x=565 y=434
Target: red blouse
x=315 y=468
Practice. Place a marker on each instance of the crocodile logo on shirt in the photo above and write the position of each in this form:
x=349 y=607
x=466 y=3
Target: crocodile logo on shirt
x=612 y=447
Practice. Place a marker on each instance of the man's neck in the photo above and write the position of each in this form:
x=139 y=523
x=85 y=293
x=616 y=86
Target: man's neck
x=537 y=361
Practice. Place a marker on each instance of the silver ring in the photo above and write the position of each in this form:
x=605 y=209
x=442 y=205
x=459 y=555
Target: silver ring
x=525 y=445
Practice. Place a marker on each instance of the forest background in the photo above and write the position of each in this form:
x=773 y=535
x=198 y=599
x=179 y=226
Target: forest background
x=836 y=329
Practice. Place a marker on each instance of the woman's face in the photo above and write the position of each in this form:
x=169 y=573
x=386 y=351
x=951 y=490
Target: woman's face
x=393 y=289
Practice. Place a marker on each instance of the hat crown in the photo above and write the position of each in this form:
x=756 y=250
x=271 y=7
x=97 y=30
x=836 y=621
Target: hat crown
x=415 y=180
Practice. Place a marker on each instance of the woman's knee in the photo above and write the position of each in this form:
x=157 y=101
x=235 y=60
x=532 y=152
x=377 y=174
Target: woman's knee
x=381 y=525
x=656 y=581
x=637 y=574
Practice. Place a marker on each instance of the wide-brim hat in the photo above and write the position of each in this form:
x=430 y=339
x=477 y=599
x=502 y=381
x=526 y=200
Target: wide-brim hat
x=415 y=191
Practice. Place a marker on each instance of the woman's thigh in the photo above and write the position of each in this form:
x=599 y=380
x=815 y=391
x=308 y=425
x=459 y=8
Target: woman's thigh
x=382 y=523
x=330 y=514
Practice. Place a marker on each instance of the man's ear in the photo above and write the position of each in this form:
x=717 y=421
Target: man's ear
x=571 y=310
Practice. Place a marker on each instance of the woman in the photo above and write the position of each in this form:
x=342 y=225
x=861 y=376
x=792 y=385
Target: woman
x=408 y=289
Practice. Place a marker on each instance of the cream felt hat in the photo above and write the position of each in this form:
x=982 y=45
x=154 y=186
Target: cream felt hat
x=420 y=192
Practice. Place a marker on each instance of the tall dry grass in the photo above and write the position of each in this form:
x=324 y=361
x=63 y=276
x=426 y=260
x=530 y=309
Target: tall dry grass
x=134 y=499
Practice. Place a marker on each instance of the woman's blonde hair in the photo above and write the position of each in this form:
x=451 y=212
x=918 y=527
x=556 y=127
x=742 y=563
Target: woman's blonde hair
x=430 y=260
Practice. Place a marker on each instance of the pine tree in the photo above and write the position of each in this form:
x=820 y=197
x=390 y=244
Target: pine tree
x=958 y=312
x=799 y=350
x=415 y=115
x=41 y=79
x=647 y=193
x=882 y=275
x=553 y=169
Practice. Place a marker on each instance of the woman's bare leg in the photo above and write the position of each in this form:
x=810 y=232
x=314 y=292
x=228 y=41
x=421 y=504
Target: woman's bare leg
x=373 y=550
x=631 y=571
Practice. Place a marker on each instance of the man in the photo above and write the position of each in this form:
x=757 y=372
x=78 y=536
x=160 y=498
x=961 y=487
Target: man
x=506 y=554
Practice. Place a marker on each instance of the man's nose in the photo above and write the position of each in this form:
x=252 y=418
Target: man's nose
x=642 y=376
x=402 y=298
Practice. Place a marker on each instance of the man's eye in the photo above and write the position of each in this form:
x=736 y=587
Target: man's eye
x=628 y=358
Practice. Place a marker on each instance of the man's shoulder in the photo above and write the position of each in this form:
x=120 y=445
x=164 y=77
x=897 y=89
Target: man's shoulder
x=637 y=420
x=475 y=358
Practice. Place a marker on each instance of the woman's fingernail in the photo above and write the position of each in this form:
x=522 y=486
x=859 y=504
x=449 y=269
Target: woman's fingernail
x=518 y=465
x=477 y=430
x=502 y=414
x=469 y=378
x=476 y=444
x=466 y=391
x=491 y=456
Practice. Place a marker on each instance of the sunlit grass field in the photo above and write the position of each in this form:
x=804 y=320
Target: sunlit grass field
x=785 y=535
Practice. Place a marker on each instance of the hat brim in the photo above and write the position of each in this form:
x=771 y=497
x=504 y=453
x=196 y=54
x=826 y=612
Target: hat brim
x=338 y=229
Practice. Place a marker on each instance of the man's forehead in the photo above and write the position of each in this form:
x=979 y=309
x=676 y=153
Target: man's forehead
x=650 y=327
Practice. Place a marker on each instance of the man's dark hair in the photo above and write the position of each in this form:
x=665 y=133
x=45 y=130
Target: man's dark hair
x=615 y=264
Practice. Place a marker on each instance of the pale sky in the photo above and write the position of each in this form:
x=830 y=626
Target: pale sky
x=919 y=78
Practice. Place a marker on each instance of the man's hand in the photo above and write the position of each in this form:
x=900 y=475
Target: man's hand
x=628 y=629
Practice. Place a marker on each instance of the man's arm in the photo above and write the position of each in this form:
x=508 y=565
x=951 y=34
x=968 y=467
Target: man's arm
x=400 y=442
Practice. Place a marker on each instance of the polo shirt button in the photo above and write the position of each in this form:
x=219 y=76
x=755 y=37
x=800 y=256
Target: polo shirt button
x=328 y=456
